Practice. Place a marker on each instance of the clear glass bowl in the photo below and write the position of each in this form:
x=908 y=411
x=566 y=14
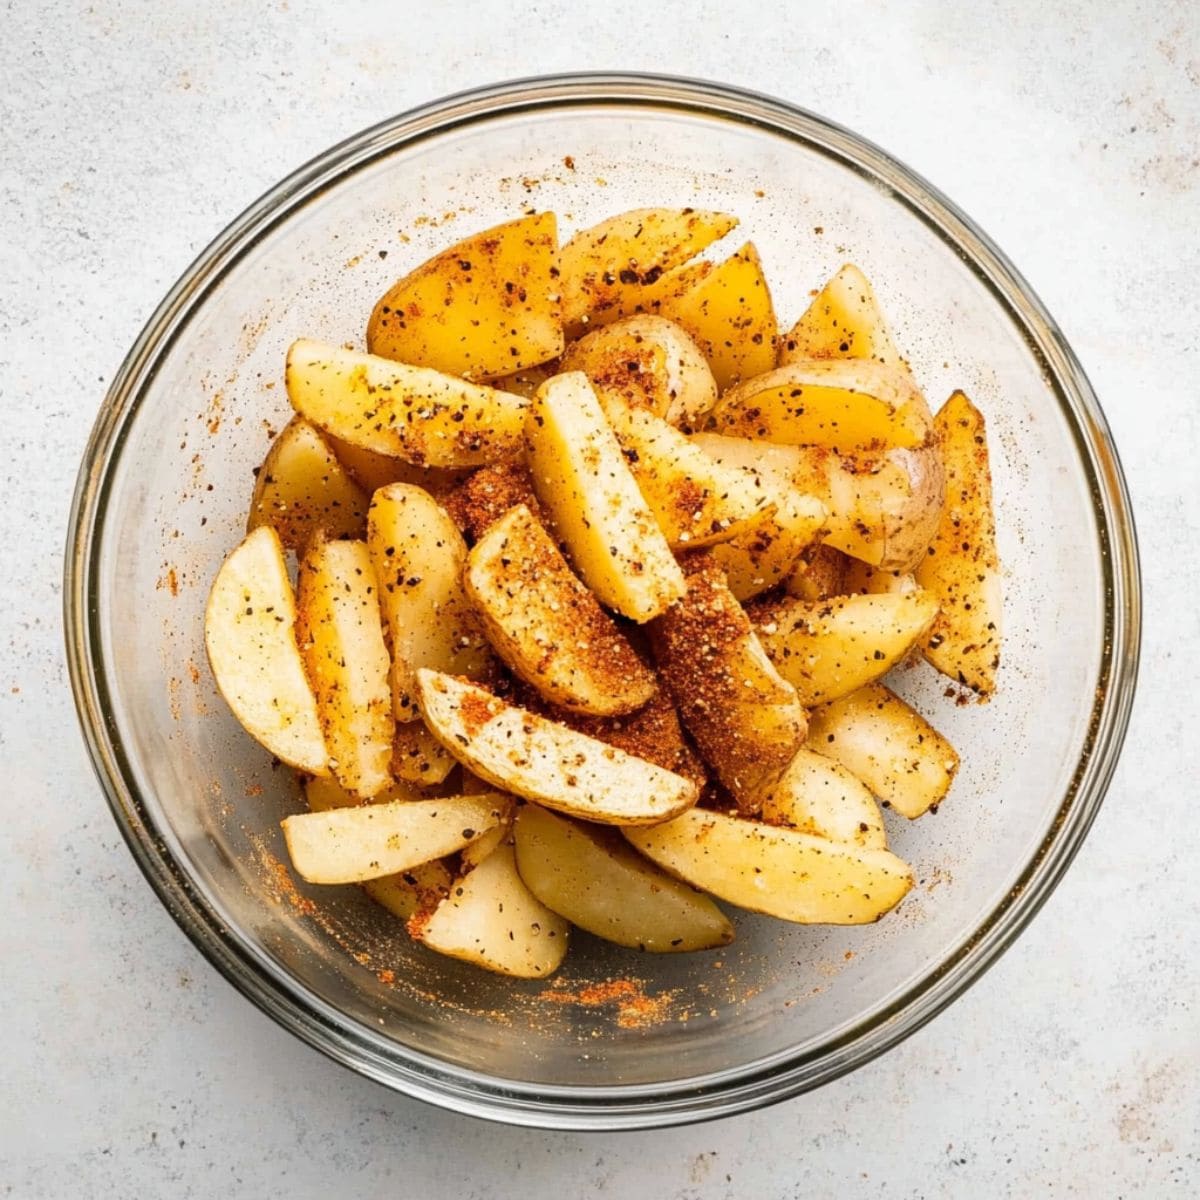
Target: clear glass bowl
x=618 y=1040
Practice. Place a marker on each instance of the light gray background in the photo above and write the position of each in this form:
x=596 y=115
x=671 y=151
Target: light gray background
x=130 y=133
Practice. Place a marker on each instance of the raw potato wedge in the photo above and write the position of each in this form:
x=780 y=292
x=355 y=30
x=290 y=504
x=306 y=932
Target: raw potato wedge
x=349 y=845
x=302 y=487
x=526 y=382
x=414 y=413
x=250 y=636
x=746 y=720
x=841 y=404
x=546 y=626
x=770 y=551
x=418 y=757
x=607 y=266
x=493 y=920
x=889 y=746
x=961 y=567
x=585 y=485
x=818 y=796
x=777 y=871
x=372 y=471
x=527 y=755
x=843 y=321
x=732 y=318
x=486 y=306
x=417 y=889
x=833 y=647
x=648 y=362
x=340 y=633
x=695 y=499
x=419 y=556
x=596 y=880
x=646 y=300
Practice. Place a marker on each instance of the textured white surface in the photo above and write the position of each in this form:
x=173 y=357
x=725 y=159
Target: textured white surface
x=132 y=132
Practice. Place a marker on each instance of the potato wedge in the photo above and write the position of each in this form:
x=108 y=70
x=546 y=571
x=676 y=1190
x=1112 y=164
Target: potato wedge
x=413 y=413
x=652 y=732
x=819 y=796
x=418 y=757
x=695 y=499
x=372 y=471
x=843 y=321
x=821 y=576
x=493 y=920
x=770 y=551
x=417 y=889
x=889 y=746
x=961 y=567
x=250 y=636
x=546 y=626
x=648 y=362
x=340 y=633
x=731 y=317
x=747 y=721
x=486 y=306
x=586 y=487
x=349 y=845
x=845 y=405
x=487 y=494
x=526 y=382
x=777 y=871
x=833 y=647
x=481 y=848
x=607 y=266
x=302 y=487
x=882 y=510
x=419 y=556
x=646 y=300
x=543 y=761
x=593 y=878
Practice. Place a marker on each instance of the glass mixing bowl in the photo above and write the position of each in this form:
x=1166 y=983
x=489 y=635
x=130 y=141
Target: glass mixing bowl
x=618 y=1040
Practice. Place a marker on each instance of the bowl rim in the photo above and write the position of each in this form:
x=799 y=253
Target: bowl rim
x=608 y=1107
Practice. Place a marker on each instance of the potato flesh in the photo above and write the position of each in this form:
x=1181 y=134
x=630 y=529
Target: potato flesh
x=302 y=487
x=844 y=405
x=821 y=575
x=493 y=920
x=831 y=648
x=546 y=762
x=407 y=892
x=746 y=720
x=887 y=745
x=818 y=796
x=371 y=471
x=730 y=315
x=594 y=879
x=419 y=557
x=777 y=871
x=413 y=413
x=770 y=551
x=250 y=636
x=648 y=362
x=546 y=626
x=961 y=567
x=843 y=321
x=349 y=845
x=695 y=499
x=608 y=266
x=486 y=306
x=418 y=757
x=882 y=511
x=585 y=486
x=340 y=632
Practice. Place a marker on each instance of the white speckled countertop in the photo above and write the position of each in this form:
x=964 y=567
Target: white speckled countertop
x=133 y=132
